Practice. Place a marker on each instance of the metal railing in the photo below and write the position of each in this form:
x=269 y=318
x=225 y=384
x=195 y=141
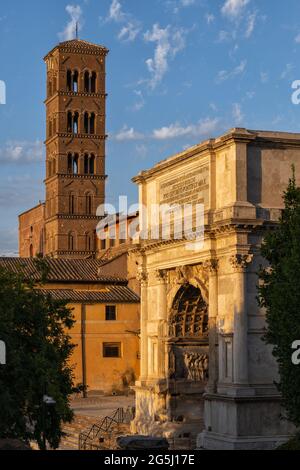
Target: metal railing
x=87 y=440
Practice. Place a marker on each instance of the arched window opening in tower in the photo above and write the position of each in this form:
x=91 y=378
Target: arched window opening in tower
x=75 y=123
x=86 y=123
x=70 y=163
x=92 y=165
x=31 y=251
x=69 y=80
x=75 y=164
x=189 y=314
x=93 y=82
x=92 y=123
x=75 y=82
x=69 y=122
x=86 y=164
x=54 y=89
x=86 y=82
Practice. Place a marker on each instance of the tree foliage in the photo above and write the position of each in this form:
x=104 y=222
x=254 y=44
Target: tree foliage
x=34 y=328
x=279 y=294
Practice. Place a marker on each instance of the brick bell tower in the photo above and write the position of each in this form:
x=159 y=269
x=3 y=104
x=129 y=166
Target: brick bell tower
x=75 y=147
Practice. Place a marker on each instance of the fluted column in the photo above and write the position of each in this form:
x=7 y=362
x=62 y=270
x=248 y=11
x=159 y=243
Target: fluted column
x=240 y=323
x=162 y=317
x=212 y=267
x=143 y=278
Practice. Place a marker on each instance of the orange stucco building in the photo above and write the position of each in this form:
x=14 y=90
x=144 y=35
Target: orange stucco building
x=106 y=331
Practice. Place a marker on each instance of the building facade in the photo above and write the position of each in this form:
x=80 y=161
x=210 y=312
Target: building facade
x=206 y=374
x=106 y=357
x=75 y=154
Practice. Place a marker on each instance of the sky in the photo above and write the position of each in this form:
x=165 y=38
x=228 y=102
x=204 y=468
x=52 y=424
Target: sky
x=178 y=72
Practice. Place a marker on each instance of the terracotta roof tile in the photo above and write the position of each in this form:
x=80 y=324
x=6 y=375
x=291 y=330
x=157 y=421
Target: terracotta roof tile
x=62 y=270
x=110 y=294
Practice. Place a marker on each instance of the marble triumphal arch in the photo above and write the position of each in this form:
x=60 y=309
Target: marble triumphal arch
x=206 y=374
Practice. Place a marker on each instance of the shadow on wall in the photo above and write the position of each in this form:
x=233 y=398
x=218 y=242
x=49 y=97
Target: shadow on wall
x=254 y=175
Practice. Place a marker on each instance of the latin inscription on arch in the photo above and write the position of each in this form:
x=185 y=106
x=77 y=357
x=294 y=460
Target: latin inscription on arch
x=187 y=188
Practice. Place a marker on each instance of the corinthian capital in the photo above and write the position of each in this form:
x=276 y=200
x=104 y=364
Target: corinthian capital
x=212 y=265
x=161 y=275
x=240 y=262
x=142 y=277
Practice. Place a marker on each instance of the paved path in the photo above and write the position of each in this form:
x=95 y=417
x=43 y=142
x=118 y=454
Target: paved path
x=101 y=405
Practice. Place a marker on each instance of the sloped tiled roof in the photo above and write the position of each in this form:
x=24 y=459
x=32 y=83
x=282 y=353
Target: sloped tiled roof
x=80 y=46
x=111 y=294
x=62 y=270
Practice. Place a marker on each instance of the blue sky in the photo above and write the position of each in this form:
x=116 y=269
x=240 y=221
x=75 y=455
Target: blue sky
x=178 y=71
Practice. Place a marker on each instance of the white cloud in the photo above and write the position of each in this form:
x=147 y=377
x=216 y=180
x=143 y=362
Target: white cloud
x=297 y=39
x=226 y=36
x=237 y=114
x=129 y=32
x=115 y=12
x=169 y=42
x=75 y=13
x=204 y=127
x=264 y=77
x=131 y=27
x=234 y=8
x=210 y=18
x=250 y=24
x=140 y=103
x=187 y=3
x=226 y=75
x=22 y=152
x=127 y=133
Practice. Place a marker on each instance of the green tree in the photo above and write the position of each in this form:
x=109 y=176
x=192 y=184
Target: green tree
x=279 y=293
x=34 y=328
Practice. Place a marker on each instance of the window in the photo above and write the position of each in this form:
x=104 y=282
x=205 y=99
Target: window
x=86 y=82
x=92 y=164
x=70 y=122
x=92 y=123
x=69 y=80
x=75 y=123
x=75 y=82
x=70 y=163
x=111 y=349
x=110 y=313
x=93 y=82
x=72 y=81
x=86 y=164
x=75 y=164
